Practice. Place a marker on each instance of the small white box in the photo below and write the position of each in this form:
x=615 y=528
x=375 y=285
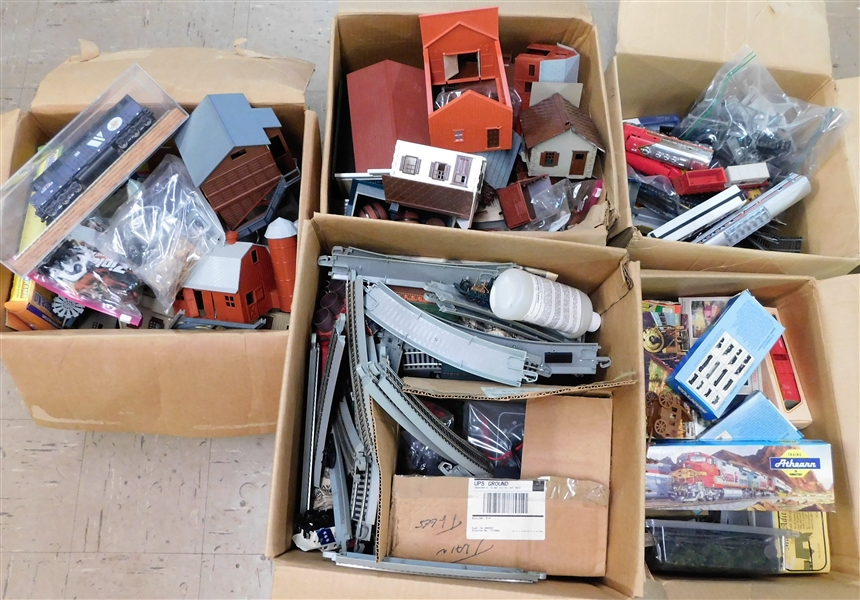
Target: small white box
x=747 y=175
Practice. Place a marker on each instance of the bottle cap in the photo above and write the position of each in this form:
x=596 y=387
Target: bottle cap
x=595 y=322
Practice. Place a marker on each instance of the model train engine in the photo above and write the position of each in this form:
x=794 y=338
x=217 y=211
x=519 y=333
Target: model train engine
x=90 y=155
x=700 y=477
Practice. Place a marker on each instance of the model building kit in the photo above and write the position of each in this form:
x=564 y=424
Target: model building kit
x=474 y=122
x=132 y=200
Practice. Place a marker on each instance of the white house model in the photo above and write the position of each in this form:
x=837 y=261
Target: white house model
x=561 y=140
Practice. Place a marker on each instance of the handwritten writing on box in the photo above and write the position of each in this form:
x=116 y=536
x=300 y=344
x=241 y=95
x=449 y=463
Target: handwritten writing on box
x=456 y=550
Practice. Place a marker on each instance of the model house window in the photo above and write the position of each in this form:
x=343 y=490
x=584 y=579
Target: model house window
x=410 y=165
x=439 y=171
x=462 y=166
x=249 y=298
x=579 y=156
x=98 y=326
x=528 y=87
x=276 y=147
x=230 y=301
x=458 y=135
x=548 y=159
x=531 y=70
x=156 y=323
x=493 y=138
x=462 y=66
x=254 y=257
x=238 y=154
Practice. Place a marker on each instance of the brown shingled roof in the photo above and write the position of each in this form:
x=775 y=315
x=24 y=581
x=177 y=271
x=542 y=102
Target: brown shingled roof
x=553 y=116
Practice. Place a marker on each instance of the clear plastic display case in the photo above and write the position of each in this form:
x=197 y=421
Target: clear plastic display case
x=71 y=175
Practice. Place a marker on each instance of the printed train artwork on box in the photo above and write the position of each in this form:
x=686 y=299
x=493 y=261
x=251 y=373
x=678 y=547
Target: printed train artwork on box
x=770 y=476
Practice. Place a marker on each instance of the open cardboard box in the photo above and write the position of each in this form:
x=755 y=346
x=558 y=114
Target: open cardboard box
x=611 y=281
x=207 y=384
x=365 y=33
x=656 y=74
x=821 y=327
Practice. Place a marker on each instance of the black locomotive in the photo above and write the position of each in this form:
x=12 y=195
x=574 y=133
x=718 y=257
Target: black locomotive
x=86 y=158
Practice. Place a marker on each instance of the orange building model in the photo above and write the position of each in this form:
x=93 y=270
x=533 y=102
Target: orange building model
x=462 y=48
x=234 y=283
x=527 y=67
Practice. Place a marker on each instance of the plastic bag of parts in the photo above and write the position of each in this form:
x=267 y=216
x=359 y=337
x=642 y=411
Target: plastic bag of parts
x=496 y=429
x=551 y=208
x=415 y=457
x=584 y=194
x=163 y=230
x=655 y=193
x=564 y=204
x=78 y=271
x=485 y=88
x=747 y=118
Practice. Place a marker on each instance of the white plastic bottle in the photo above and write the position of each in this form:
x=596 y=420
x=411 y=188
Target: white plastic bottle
x=518 y=295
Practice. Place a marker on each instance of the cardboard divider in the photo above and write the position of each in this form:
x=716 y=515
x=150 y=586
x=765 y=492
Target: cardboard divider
x=814 y=348
x=651 y=75
x=612 y=284
x=199 y=384
x=360 y=40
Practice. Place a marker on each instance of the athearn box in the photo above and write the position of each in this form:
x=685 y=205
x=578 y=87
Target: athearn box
x=658 y=74
x=722 y=475
x=220 y=383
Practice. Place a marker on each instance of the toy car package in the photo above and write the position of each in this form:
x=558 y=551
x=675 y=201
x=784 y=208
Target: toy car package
x=78 y=271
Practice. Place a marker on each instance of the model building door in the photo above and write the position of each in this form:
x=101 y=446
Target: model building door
x=577 y=163
x=252 y=299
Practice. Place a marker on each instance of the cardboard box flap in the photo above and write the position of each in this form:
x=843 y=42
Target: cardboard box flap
x=488 y=390
x=848 y=98
x=840 y=317
x=187 y=74
x=8 y=128
x=788 y=35
x=239 y=397
x=533 y=8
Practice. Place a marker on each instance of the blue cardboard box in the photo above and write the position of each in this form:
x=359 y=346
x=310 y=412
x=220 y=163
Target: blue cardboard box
x=724 y=357
x=757 y=419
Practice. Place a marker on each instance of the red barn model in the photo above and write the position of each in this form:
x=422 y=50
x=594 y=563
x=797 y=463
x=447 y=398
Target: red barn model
x=386 y=104
x=531 y=66
x=235 y=154
x=461 y=49
x=235 y=283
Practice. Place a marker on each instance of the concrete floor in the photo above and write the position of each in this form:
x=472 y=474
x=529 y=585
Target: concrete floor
x=121 y=515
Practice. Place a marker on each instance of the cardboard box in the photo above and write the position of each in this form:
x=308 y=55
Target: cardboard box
x=417 y=503
x=609 y=280
x=166 y=382
x=365 y=33
x=569 y=440
x=821 y=325
x=653 y=75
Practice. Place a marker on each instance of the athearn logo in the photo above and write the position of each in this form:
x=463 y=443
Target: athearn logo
x=795 y=463
x=790 y=463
